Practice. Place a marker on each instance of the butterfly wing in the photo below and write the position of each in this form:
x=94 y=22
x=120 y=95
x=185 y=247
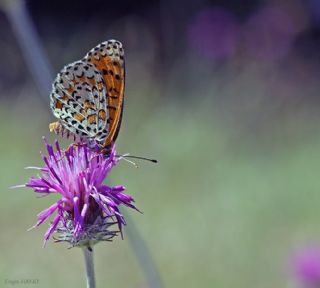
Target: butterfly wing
x=108 y=57
x=78 y=100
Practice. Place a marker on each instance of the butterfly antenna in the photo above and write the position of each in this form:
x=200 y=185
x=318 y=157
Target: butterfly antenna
x=124 y=158
x=138 y=157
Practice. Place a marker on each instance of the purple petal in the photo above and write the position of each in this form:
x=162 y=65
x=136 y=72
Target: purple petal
x=51 y=229
x=100 y=203
x=18 y=186
x=45 y=214
x=81 y=219
x=58 y=147
x=45 y=159
x=76 y=209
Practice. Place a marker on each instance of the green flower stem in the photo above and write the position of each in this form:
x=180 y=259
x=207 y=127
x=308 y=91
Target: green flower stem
x=88 y=259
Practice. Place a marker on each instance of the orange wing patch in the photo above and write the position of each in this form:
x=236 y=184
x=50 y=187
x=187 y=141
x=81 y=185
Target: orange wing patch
x=108 y=57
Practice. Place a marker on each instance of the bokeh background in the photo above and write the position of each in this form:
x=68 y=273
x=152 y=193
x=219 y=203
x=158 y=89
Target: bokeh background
x=225 y=94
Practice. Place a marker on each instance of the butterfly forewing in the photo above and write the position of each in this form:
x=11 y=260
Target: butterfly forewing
x=108 y=57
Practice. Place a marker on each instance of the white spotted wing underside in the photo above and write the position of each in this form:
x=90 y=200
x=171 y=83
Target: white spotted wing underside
x=87 y=95
x=78 y=99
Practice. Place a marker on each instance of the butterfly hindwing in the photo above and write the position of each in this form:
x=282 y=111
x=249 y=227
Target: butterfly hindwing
x=77 y=99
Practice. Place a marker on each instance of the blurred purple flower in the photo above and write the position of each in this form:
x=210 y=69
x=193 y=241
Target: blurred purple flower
x=306 y=266
x=84 y=213
x=269 y=33
x=213 y=33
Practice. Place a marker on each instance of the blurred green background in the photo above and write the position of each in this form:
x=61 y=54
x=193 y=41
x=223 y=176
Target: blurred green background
x=225 y=96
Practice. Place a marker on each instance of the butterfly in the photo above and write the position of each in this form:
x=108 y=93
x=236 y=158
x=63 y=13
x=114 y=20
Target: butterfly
x=87 y=96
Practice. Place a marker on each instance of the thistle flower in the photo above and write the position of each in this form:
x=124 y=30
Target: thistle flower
x=87 y=208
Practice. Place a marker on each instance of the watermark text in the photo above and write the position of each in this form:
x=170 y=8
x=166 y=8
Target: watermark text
x=22 y=281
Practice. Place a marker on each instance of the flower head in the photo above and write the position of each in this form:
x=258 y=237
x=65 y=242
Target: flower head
x=87 y=207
